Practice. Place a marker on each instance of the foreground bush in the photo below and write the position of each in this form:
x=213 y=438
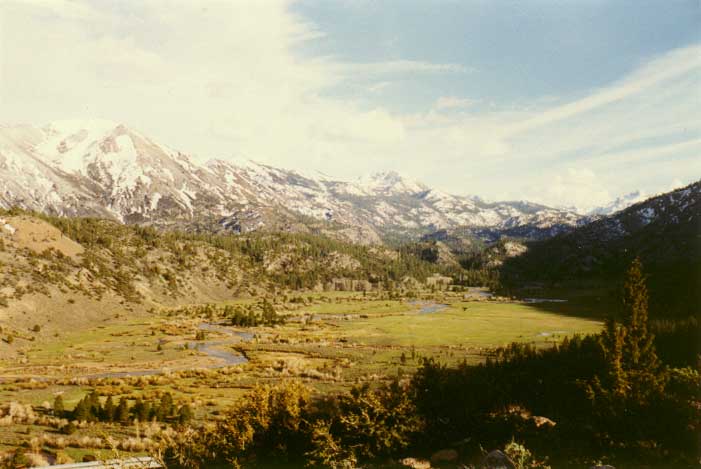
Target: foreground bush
x=282 y=424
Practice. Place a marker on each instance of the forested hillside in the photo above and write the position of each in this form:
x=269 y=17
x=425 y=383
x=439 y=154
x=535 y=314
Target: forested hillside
x=97 y=263
x=664 y=231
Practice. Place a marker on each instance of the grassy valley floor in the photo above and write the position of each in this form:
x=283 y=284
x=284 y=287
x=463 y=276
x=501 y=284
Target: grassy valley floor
x=331 y=341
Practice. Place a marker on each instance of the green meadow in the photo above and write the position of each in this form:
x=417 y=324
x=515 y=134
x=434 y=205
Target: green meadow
x=331 y=342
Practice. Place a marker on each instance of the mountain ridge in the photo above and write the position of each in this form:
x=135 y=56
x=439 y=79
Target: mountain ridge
x=105 y=169
x=663 y=231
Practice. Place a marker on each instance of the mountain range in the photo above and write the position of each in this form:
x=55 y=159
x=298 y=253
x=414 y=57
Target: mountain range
x=104 y=169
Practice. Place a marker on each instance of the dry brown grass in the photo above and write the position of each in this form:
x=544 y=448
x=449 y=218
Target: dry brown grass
x=38 y=235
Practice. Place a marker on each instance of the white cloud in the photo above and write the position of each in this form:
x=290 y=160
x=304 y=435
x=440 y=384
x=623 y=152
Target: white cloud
x=638 y=155
x=216 y=80
x=579 y=188
x=633 y=134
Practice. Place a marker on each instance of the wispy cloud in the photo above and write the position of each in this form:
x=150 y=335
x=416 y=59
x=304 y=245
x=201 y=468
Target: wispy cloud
x=667 y=67
x=637 y=133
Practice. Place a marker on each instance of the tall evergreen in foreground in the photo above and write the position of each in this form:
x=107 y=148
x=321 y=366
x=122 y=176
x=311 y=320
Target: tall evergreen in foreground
x=639 y=356
x=634 y=377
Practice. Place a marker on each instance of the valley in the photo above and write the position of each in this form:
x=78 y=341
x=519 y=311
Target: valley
x=318 y=234
x=330 y=342
x=185 y=329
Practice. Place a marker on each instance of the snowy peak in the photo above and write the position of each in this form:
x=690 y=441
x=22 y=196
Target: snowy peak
x=619 y=204
x=68 y=142
x=112 y=154
x=390 y=183
x=95 y=167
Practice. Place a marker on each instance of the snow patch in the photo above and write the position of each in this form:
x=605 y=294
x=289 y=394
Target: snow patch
x=7 y=227
x=647 y=215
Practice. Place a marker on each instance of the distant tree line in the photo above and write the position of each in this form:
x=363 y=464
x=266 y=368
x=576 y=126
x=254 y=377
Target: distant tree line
x=91 y=409
x=260 y=313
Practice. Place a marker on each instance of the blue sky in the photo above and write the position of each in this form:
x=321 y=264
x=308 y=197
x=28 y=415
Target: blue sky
x=567 y=103
x=516 y=51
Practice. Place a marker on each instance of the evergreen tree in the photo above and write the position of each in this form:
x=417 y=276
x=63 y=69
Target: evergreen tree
x=165 y=409
x=639 y=356
x=94 y=408
x=59 y=408
x=122 y=412
x=185 y=414
x=137 y=410
x=81 y=411
x=108 y=410
x=612 y=344
x=269 y=315
x=145 y=413
x=633 y=378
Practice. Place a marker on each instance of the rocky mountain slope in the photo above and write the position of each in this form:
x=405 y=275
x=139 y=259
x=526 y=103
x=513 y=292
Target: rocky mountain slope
x=104 y=169
x=664 y=231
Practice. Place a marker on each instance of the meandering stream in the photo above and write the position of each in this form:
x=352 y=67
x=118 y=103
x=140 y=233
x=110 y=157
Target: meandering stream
x=428 y=307
x=212 y=348
x=220 y=348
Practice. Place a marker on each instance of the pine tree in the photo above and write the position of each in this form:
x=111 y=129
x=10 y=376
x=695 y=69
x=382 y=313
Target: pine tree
x=269 y=315
x=138 y=409
x=94 y=407
x=145 y=412
x=185 y=414
x=639 y=356
x=109 y=410
x=633 y=378
x=165 y=408
x=122 y=412
x=59 y=408
x=612 y=345
x=81 y=411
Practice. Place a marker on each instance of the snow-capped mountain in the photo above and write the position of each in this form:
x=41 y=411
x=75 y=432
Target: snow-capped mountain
x=620 y=203
x=102 y=168
x=390 y=183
